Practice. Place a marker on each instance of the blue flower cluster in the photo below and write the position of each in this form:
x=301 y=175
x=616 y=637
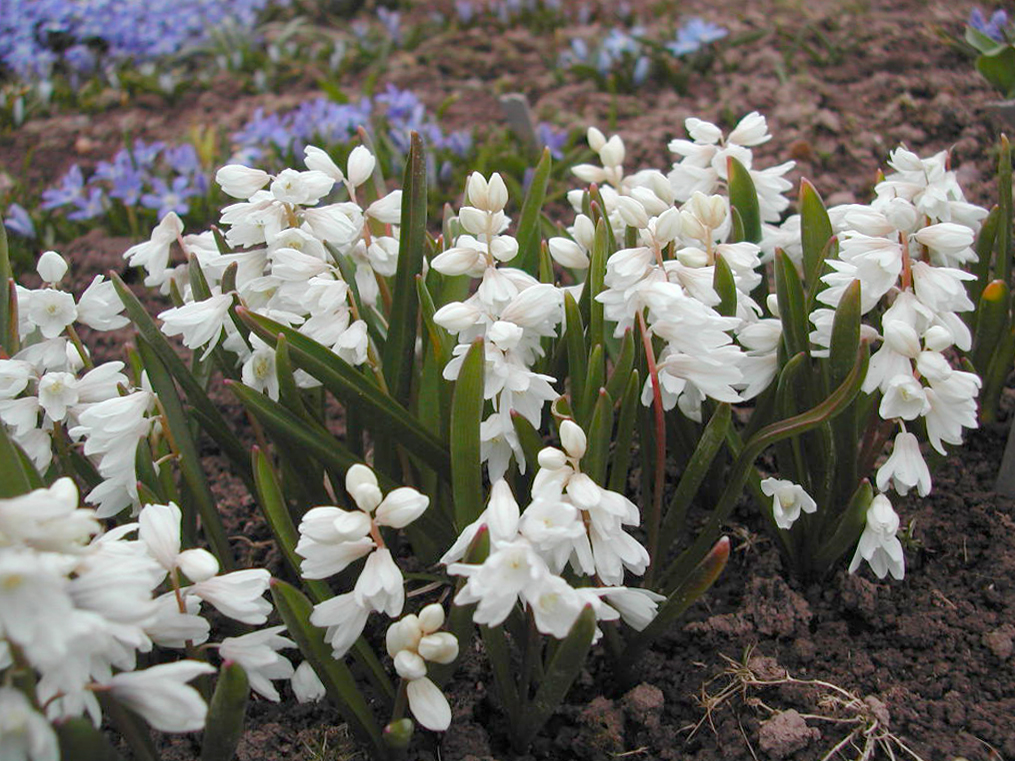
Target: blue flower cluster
x=324 y=122
x=39 y=37
x=994 y=27
x=624 y=50
x=148 y=175
x=694 y=35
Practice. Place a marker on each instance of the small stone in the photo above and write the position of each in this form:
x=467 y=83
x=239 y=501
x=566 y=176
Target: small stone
x=786 y=733
x=1000 y=641
x=642 y=701
x=878 y=709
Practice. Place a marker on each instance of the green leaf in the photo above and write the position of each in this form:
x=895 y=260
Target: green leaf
x=836 y=403
x=725 y=286
x=499 y=655
x=15 y=470
x=849 y=527
x=400 y=346
x=226 y=714
x=210 y=416
x=593 y=383
x=689 y=588
x=599 y=433
x=984 y=248
x=815 y=233
x=999 y=69
x=1002 y=261
x=529 y=439
x=997 y=373
x=577 y=350
x=466 y=417
x=6 y=312
x=744 y=198
x=560 y=674
x=620 y=462
x=528 y=221
x=602 y=247
x=295 y=610
x=190 y=458
x=991 y=324
x=622 y=367
x=79 y=739
x=694 y=474
x=845 y=334
x=385 y=415
x=985 y=44
x=792 y=306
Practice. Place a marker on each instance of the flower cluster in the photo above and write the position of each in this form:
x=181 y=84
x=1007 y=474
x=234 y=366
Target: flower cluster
x=40 y=37
x=510 y=309
x=77 y=606
x=332 y=538
x=151 y=176
x=571 y=521
x=411 y=642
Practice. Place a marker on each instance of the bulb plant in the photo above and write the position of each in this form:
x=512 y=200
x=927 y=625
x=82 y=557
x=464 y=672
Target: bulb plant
x=484 y=484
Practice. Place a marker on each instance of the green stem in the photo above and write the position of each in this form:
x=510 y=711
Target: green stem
x=656 y=511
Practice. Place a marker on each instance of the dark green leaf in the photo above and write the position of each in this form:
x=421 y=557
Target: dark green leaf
x=226 y=714
x=528 y=221
x=466 y=417
x=744 y=198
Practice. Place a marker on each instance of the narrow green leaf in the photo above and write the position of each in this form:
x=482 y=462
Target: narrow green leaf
x=295 y=610
x=792 y=305
x=621 y=373
x=563 y=669
x=602 y=248
x=1002 y=261
x=466 y=417
x=620 y=462
x=528 y=221
x=499 y=656
x=190 y=458
x=226 y=714
x=593 y=382
x=849 y=527
x=697 y=468
x=79 y=739
x=725 y=286
x=997 y=373
x=400 y=346
x=845 y=334
x=998 y=68
x=744 y=198
x=689 y=588
x=529 y=439
x=984 y=247
x=992 y=322
x=599 y=434
x=836 y=403
x=6 y=274
x=440 y=340
x=211 y=418
x=351 y=388
x=15 y=479
x=815 y=233
x=577 y=351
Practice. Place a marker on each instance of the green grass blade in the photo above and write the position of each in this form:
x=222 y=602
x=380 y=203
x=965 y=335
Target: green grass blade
x=528 y=221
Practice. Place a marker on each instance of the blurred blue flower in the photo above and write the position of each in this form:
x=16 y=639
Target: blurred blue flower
x=694 y=35
x=166 y=197
x=19 y=222
x=994 y=28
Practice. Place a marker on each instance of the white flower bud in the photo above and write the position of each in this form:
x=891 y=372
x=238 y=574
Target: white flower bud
x=902 y=338
x=551 y=458
x=409 y=665
x=51 y=267
x=632 y=212
x=197 y=564
x=361 y=483
x=567 y=253
x=612 y=154
x=583 y=231
x=692 y=257
x=504 y=248
x=361 y=165
x=431 y=618
x=504 y=335
x=496 y=193
x=938 y=338
x=572 y=437
x=441 y=647
x=307 y=687
x=457 y=261
x=596 y=139
x=401 y=507
x=457 y=316
x=772 y=302
x=668 y=225
x=241 y=181
x=404 y=634
x=315 y=158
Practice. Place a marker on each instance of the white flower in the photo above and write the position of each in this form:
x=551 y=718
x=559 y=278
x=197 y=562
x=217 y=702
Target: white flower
x=238 y=595
x=241 y=181
x=257 y=653
x=344 y=619
x=905 y=468
x=24 y=733
x=307 y=687
x=380 y=586
x=788 y=499
x=428 y=704
x=161 y=696
x=199 y=322
x=51 y=311
x=360 y=166
x=879 y=545
x=51 y=267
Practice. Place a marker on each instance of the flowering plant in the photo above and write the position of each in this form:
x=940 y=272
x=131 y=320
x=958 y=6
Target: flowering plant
x=490 y=412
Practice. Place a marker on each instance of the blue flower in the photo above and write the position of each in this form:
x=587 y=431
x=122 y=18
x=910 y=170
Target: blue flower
x=70 y=190
x=694 y=35
x=995 y=28
x=165 y=198
x=19 y=222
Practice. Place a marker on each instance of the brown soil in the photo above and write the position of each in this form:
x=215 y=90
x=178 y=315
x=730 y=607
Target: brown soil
x=931 y=658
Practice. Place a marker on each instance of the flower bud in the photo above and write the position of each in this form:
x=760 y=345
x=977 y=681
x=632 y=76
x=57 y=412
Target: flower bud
x=902 y=338
x=51 y=267
x=612 y=153
x=632 y=212
x=938 y=338
x=315 y=158
x=361 y=165
x=572 y=437
x=567 y=253
x=404 y=634
x=431 y=618
x=307 y=687
x=241 y=181
x=197 y=565
x=409 y=665
x=457 y=316
x=441 y=647
x=551 y=458
x=596 y=139
x=361 y=483
x=401 y=507
x=692 y=257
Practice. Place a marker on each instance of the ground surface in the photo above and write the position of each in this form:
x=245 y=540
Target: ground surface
x=931 y=659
